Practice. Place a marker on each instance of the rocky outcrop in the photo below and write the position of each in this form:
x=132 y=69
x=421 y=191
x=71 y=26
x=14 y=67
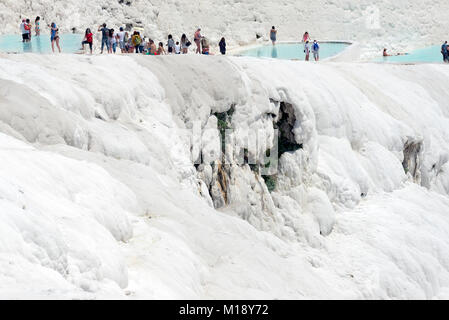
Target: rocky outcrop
x=412 y=159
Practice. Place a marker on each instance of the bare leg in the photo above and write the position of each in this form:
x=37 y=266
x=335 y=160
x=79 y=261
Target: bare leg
x=57 y=44
x=53 y=46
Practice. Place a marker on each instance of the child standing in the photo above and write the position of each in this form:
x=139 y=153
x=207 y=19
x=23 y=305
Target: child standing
x=171 y=44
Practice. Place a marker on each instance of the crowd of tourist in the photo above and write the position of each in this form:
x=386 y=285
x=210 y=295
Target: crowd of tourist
x=126 y=41
x=134 y=42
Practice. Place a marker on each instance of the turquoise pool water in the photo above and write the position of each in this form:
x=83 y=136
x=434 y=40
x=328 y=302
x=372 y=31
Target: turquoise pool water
x=69 y=43
x=429 y=54
x=294 y=50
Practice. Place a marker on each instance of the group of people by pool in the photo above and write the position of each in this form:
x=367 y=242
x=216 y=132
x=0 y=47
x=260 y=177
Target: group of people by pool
x=134 y=42
x=26 y=26
x=309 y=46
x=126 y=41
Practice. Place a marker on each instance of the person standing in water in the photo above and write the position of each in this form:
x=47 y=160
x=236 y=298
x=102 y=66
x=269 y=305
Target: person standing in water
x=273 y=33
x=104 y=37
x=444 y=52
x=307 y=50
x=28 y=29
x=23 y=31
x=222 y=45
x=316 y=50
x=54 y=38
x=37 y=27
x=88 y=39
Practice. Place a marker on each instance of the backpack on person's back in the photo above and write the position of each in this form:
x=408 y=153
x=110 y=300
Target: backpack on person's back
x=316 y=47
x=136 y=39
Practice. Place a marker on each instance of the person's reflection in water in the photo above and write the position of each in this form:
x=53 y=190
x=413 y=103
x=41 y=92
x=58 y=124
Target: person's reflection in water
x=274 y=52
x=27 y=47
x=38 y=44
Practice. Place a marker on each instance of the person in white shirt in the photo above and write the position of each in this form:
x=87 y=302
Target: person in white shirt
x=23 y=31
x=307 y=50
x=177 y=48
x=121 y=39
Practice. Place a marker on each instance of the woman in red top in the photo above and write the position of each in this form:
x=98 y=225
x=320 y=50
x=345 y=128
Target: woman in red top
x=88 y=39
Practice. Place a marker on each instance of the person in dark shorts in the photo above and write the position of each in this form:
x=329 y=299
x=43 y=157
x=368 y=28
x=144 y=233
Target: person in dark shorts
x=25 y=27
x=23 y=31
x=54 y=37
x=28 y=29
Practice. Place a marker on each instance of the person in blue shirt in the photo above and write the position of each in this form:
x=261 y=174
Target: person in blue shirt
x=54 y=37
x=104 y=36
x=444 y=52
x=316 y=50
x=273 y=33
